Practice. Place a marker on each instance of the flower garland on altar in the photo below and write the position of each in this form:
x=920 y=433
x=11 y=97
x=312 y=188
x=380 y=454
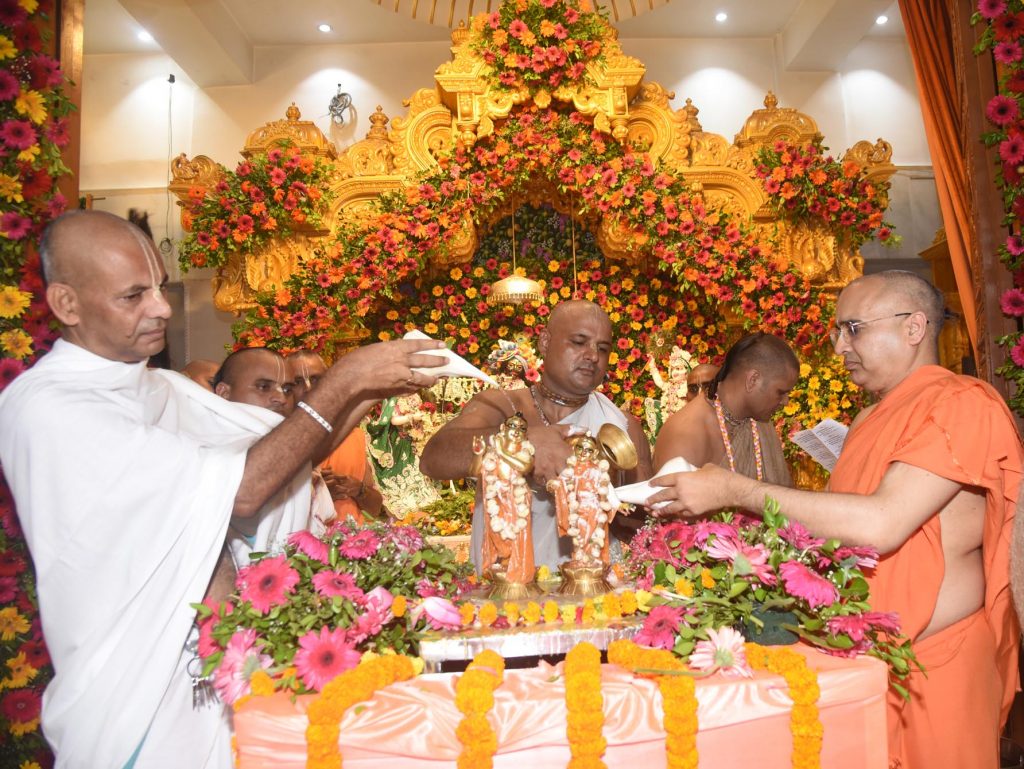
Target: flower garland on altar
x=1003 y=36
x=583 y=707
x=474 y=697
x=804 y=184
x=340 y=694
x=609 y=606
x=679 y=698
x=803 y=689
x=269 y=196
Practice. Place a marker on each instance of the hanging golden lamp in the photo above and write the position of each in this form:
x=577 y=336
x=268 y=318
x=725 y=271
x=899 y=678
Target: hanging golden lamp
x=515 y=289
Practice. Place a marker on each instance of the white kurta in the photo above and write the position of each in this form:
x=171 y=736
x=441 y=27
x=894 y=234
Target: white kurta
x=548 y=548
x=124 y=480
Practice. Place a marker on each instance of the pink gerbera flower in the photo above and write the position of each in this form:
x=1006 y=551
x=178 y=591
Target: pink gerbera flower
x=1007 y=52
x=14 y=225
x=333 y=583
x=9 y=369
x=723 y=652
x=867 y=557
x=991 y=9
x=804 y=583
x=8 y=589
x=311 y=546
x=267 y=583
x=18 y=134
x=241 y=659
x=745 y=559
x=322 y=657
x=9 y=86
x=1012 y=302
x=660 y=627
x=799 y=537
x=1015 y=245
x=1011 y=149
x=360 y=545
x=1017 y=353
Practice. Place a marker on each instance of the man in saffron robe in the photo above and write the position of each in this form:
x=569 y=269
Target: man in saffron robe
x=930 y=476
x=124 y=480
x=730 y=425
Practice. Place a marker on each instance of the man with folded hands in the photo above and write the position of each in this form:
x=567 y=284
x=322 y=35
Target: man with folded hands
x=930 y=476
x=575 y=347
x=124 y=480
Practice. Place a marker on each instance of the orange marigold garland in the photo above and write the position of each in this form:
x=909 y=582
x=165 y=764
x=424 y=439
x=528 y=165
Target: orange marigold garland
x=349 y=688
x=474 y=697
x=804 y=721
x=678 y=694
x=583 y=707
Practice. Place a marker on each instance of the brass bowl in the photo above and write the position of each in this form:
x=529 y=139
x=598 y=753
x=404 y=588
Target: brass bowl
x=617 y=446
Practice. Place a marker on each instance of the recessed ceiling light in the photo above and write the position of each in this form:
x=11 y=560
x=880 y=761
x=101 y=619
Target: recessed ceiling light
x=721 y=16
x=324 y=27
x=145 y=37
x=883 y=19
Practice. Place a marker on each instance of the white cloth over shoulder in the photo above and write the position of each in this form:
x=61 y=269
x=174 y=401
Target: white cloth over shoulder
x=124 y=480
x=548 y=548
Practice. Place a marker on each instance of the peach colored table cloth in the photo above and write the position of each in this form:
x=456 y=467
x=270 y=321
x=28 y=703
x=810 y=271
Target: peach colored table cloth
x=743 y=723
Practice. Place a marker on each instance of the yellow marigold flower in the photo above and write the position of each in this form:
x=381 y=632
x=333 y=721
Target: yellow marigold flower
x=568 y=613
x=487 y=614
x=814 y=383
x=392 y=315
x=791 y=408
x=31 y=105
x=16 y=342
x=10 y=189
x=805 y=370
x=554 y=265
x=19 y=730
x=13 y=301
x=11 y=623
x=7 y=49
x=437 y=290
x=430 y=328
x=456 y=273
x=643 y=600
x=261 y=683
x=611 y=606
x=532 y=613
x=550 y=611
x=706 y=579
x=684 y=587
x=471 y=293
x=30 y=7
x=418 y=665
x=398 y=606
x=835 y=386
x=467 y=613
x=511 y=612
x=29 y=764
x=368 y=655
x=543 y=573
x=588 y=610
x=628 y=603
x=21 y=671
x=485 y=323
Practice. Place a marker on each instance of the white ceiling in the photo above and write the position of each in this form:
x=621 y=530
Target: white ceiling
x=214 y=40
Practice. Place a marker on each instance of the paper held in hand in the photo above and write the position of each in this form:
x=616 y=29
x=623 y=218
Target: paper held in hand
x=456 y=365
x=823 y=442
x=638 y=493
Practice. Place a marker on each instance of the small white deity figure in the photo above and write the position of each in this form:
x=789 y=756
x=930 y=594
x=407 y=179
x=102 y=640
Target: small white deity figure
x=505 y=459
x=508 y=365
x=673 y=390
x=583 y=502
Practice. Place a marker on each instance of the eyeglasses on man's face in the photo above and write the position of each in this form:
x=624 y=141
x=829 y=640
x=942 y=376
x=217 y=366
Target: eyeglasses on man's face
x=850 y=328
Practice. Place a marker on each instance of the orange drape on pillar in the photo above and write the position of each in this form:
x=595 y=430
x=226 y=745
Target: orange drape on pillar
x=930 y=36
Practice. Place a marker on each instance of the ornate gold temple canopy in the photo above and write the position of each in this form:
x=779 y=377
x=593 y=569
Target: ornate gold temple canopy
x=463 y=105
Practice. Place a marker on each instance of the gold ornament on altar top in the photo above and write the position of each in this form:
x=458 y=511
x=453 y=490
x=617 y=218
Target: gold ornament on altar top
x=515 y=289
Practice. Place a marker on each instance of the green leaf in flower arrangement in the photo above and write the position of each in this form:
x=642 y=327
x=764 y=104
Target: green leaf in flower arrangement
x=683 y=648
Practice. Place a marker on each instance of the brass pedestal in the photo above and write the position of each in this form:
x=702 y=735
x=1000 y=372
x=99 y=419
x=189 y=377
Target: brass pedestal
x=502 y=589
x=583 y=581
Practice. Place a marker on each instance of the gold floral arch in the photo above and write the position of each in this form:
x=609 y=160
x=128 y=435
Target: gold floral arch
x=463 y=105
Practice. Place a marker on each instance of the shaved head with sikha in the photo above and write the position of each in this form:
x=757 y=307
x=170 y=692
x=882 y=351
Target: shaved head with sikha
x=575 y=346
x=105 y=284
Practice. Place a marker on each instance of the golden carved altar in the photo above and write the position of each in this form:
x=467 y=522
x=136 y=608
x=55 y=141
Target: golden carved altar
x=463 y=105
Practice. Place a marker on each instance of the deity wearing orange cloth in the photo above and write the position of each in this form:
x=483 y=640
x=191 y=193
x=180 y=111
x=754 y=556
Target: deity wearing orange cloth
x=505 y=459
x=929 y=476
x=582 y=502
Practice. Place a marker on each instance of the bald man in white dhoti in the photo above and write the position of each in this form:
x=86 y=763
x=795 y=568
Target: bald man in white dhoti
x=124 y=480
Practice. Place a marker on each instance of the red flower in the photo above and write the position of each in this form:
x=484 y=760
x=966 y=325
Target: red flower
x=18 y=134
x=22 y=705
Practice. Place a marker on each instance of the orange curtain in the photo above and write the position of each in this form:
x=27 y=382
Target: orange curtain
x=930 y=35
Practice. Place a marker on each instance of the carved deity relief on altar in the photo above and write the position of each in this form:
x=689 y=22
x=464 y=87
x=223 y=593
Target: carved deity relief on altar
x=463 y=105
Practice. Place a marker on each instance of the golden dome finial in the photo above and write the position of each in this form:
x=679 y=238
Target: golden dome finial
x=771 y=101
x=292 y=113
